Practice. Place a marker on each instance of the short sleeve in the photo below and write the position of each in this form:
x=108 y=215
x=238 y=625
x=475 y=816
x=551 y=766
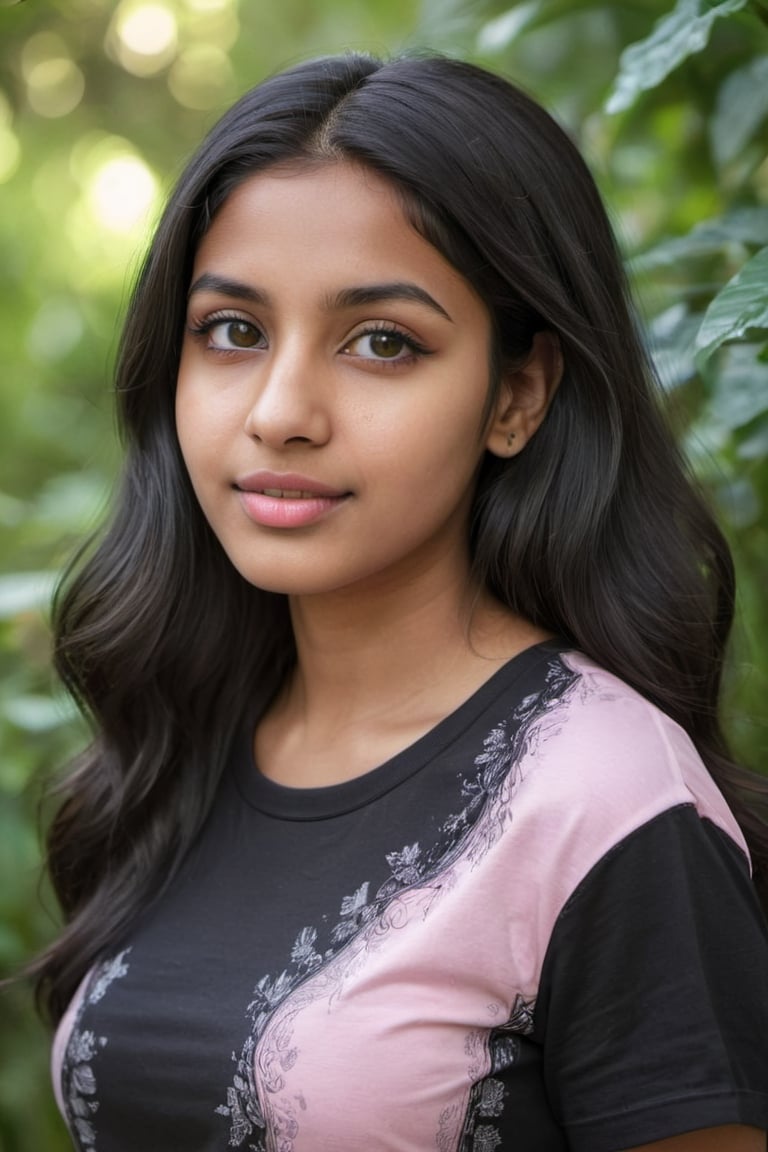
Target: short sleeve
x=653 y=1005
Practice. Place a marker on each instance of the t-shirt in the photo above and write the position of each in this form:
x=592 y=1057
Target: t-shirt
x=532 y=930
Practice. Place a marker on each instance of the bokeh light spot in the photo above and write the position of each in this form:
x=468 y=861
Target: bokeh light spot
x=201 y=77
x=216 y=27
x=208 y=5
x=55 y=86
x=148 y=30
x=6 y=116
x=122 y=193
x=143 y=37
x=42 y=46
x=10 y=153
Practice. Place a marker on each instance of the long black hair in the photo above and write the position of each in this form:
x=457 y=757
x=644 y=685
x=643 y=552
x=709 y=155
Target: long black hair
x=594 y=532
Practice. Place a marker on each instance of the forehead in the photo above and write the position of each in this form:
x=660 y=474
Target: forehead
x=337 y=221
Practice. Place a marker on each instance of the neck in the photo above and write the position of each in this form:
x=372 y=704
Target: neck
x=415 y=649
x=378 y=668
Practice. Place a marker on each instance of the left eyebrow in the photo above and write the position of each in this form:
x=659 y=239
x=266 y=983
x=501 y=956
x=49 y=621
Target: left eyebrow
x=382 y=293
x=223 y=286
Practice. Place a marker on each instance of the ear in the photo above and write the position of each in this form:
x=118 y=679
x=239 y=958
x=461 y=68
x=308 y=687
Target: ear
x=524 y=396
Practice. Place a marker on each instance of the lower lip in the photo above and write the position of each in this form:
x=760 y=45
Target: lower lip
x=280 y=512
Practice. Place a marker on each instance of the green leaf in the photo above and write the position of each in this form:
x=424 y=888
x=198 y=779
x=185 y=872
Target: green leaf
x=444 y=24
x=499 y=33
x=12 y=510
x=25 y=592
x=745 y=226
x=37 y=713
x=742 y=105
x=741 y=307
x=672 y=334
x=755 y=446
x=739 y=502
x=740 y=388
x=681 y=33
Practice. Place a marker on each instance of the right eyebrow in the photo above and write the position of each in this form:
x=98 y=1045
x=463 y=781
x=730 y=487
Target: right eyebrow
x=384 y=293
x=223 y=286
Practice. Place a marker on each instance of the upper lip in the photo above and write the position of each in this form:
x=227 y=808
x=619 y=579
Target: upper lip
x=286 y=482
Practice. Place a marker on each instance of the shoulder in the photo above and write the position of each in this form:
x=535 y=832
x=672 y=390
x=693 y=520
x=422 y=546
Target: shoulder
x=610 y=754
x=598 y=764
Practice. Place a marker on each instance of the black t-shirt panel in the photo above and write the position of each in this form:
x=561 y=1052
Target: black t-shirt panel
x=653 y=1006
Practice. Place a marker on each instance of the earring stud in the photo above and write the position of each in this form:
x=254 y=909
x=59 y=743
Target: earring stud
x=510 y=438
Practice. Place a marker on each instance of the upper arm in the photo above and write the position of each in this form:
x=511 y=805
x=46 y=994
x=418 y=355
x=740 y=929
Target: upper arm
x=653 y=1005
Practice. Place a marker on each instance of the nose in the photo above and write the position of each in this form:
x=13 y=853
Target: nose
x=291 y=397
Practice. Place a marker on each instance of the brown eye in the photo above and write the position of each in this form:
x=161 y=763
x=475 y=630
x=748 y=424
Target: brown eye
x=233 y=335
x=387 y=345
x=240 y=335
x=383 y=344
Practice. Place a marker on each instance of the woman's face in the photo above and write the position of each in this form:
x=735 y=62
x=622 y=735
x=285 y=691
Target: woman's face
x=332 y=381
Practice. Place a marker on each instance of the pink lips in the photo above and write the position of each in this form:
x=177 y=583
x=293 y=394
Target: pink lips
x=286 y=499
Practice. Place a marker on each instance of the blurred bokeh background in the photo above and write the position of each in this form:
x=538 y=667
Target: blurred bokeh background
x=101 y=103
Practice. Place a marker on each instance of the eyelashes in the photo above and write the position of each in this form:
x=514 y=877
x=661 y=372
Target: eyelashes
x=387 y=344
x=381 y=343
x=243 y=336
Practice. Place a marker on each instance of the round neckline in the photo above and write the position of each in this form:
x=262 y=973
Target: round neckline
x=321 y=803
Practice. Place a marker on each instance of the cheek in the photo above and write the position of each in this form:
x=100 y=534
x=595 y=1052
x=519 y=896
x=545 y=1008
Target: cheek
x=454 y=443
x=197 y=435
x=185 y=427
x=202 y=418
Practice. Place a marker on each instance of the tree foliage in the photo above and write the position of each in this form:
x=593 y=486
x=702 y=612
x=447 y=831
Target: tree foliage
x=101 y=102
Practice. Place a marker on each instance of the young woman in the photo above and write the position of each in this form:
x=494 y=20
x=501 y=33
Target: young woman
x=403 y=823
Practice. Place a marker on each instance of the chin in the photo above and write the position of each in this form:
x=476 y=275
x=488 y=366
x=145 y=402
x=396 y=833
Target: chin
x=292 y=582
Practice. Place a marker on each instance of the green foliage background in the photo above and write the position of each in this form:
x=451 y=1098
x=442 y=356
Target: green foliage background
x=670 y=106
